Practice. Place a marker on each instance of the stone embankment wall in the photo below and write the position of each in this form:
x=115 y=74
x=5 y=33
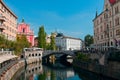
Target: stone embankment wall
x=112 y=69
x=33 y=60
x=9 y=73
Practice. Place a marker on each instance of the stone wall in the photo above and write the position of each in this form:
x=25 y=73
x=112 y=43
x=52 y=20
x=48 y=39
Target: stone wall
x=112 y=69
x=9 y=73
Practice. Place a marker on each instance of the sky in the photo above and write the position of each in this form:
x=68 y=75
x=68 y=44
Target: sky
x=72 y=17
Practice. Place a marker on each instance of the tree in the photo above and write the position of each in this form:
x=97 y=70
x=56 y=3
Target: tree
x=17 y=45
x=5 y=43
x=21 y=43
x=52 y=43
x=88 y=40
x=42 y=38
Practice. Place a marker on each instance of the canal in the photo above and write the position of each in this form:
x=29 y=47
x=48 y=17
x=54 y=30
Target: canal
x=55 y=71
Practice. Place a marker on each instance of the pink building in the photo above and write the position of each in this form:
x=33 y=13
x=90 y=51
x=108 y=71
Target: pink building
x=24 y=28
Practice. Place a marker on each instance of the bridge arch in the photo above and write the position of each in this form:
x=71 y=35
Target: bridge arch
x=59 y=55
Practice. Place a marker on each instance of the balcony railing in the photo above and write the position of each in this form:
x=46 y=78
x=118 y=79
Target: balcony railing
x=2 y=27
x=2 y=18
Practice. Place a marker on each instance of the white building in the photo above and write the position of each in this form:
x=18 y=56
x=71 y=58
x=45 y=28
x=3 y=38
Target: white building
x=32 y=54
x=67 y=43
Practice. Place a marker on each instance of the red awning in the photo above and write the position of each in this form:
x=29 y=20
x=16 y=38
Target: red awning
x=112 y=1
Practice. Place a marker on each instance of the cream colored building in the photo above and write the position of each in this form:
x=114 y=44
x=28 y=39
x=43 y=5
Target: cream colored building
x=8 y=22
x=107 y=26
x=67 y=43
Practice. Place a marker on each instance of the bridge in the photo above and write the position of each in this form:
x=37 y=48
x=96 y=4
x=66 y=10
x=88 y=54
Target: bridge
x=57 y=55
x=50 y=52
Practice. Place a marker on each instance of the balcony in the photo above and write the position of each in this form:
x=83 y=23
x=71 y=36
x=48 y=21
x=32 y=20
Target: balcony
x=2 y=18
x=2 y=27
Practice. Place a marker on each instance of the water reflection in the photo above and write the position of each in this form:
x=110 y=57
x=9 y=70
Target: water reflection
x=56 y=71
x=37 y=71
x=29 y=72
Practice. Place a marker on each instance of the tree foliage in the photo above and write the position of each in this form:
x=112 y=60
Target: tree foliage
x=21 y=43
x=42 y=38
x=83 y=57
x=5 y=43
x=17 y=45
x=88 y=40
x=52 y=43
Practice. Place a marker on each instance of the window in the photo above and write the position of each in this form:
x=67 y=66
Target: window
x=105 y=16
x=110 y=13
x=116 y=10
x=101 y=20
x=101 y=36
x=23 y=30
x=118 y=32
x=110 y=24
x=110 y=34
x=97 y=22
x=101 y=28
x=117 y=21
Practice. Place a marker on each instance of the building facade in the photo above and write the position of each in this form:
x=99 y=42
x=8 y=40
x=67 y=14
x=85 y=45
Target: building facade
x=32 y=54
x=67 y=43
x=48 y=40
x=8 y=22
x=24 y=28
x=107 y=26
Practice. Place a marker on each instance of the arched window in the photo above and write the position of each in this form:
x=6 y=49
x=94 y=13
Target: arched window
x=39 y=54
x=33 y=55
x=36 y=54
x=23 y=30
x=29 y=55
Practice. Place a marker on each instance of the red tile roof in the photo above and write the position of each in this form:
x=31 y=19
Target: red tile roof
x=112 y=1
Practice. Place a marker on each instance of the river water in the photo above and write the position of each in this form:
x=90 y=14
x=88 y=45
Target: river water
x=55 y=71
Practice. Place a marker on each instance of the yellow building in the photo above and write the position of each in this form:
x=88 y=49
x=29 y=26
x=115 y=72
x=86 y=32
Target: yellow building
x=8 y=22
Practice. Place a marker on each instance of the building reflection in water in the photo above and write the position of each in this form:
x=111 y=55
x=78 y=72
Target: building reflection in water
x=29 y=72
x=37 y=71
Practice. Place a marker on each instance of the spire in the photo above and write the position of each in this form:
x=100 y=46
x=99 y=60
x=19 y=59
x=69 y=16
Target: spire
x=96 y=14
x=23 y=20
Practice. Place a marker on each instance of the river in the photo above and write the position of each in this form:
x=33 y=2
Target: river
x=55 y=71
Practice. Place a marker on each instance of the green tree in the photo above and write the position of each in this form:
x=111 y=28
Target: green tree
x=52 y=76
x=42 y=38
x=83 y=57
x=5 y=43
x=21 y=43
x=42 y=76
x=18 y=45
x=88 y=40
x=52 y=43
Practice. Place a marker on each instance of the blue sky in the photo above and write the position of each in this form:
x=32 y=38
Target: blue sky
x=71 y=17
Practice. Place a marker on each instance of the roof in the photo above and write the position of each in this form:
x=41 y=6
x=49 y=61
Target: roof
x=112 y=1
x=6 y=57
x=8 y=9
x=71 y=37
x=63 y=36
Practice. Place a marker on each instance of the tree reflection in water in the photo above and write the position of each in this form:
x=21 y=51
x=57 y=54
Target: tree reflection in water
x=56 y=71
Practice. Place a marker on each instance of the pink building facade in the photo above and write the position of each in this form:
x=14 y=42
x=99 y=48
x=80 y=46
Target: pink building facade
x=24 y=28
